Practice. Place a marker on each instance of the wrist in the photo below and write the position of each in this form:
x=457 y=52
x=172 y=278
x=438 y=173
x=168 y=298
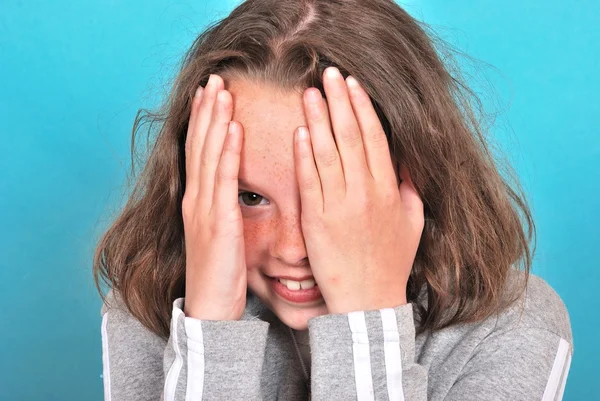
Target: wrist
x=197 y=309
x=365 y=304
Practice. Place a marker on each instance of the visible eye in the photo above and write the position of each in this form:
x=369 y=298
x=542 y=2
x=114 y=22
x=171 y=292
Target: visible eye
x=251 y=199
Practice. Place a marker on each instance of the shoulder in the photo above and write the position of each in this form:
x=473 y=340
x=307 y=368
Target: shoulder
x=115 y=312
x=112 y=302
x=120 y=324
x=538 y=307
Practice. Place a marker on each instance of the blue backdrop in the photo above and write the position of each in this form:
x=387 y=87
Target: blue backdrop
x=74 y=73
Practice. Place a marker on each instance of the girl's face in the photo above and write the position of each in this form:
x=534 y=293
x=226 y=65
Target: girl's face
x=270 y=201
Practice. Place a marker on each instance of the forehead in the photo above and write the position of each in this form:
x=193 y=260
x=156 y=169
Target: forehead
x=269 y=116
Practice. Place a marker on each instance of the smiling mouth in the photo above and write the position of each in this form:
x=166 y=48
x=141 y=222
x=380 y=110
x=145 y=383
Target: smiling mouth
x=300 y=292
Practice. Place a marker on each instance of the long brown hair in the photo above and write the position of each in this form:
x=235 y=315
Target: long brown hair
x=477 y=223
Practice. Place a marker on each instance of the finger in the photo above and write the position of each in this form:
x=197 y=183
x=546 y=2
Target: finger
x=226 y=186
x=309 y=183
x=213 y=146
x=191 y=175
x=345 y=128
x=324 y=150
x=411 y=201
x=197 y=132
x=376 y=146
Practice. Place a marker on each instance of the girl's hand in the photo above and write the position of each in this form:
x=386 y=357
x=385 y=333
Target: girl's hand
x=361 y=231
x=215 y=281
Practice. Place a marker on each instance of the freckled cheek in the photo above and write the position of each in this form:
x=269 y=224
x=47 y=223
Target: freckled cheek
x=256 y=237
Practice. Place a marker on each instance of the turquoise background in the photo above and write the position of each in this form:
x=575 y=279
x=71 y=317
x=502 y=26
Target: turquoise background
x=73 y=75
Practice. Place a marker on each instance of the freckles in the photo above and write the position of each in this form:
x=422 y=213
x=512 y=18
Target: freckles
x=256 y=235
x=252 y=233
x=284 y=172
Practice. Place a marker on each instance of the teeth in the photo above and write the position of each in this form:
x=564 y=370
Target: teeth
x=293 y=285
x=297 y=285
x=307 y=284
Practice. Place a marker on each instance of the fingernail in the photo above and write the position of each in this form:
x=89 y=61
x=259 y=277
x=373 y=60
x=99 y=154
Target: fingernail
x=352 y=82
x=199 y=92
x=211 y=80
x=301 y=134
x=314 y=95
x=332 y=72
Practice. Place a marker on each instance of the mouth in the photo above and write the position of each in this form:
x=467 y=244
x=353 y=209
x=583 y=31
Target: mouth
x=300 y=290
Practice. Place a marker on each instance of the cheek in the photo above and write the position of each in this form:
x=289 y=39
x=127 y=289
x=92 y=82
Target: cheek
x=256 y=242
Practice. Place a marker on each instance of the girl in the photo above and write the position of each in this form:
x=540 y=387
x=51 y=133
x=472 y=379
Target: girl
x=320 y=216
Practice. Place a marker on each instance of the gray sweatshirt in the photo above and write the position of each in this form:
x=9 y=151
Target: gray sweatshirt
x=522 y=354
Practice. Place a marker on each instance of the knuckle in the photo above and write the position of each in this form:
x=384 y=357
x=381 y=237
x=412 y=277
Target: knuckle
x=227 y=223
x=226 y=175
x=362 y=200
x=187 y=205
x=336 y=94
x=365 y=203
x=318 y=115
x=329 y=158
x=229 y=213
x=186 y=214
x=310 y=183
x=212 y=230
x=229 y=147
x=351 y=138
x=377 y=138
x=191 y=218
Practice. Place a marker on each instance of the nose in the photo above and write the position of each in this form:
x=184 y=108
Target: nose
x=289 y=246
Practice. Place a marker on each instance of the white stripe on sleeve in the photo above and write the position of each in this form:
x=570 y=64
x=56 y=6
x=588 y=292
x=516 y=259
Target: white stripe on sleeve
x=195 y=354
x=105 y=361
x=173 y=375
x=558 y=375
x=362 y=356
x=564 y=378
x=393 y=359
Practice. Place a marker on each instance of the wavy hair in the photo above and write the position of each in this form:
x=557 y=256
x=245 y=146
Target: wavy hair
x=478 y=226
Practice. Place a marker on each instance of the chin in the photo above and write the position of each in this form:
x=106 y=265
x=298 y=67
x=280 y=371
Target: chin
x=297 y=318
x=294 y=316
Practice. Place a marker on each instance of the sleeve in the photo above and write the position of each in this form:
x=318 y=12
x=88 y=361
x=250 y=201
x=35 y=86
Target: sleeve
x=528 y=364
x=201 y=359
x=374 y=356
